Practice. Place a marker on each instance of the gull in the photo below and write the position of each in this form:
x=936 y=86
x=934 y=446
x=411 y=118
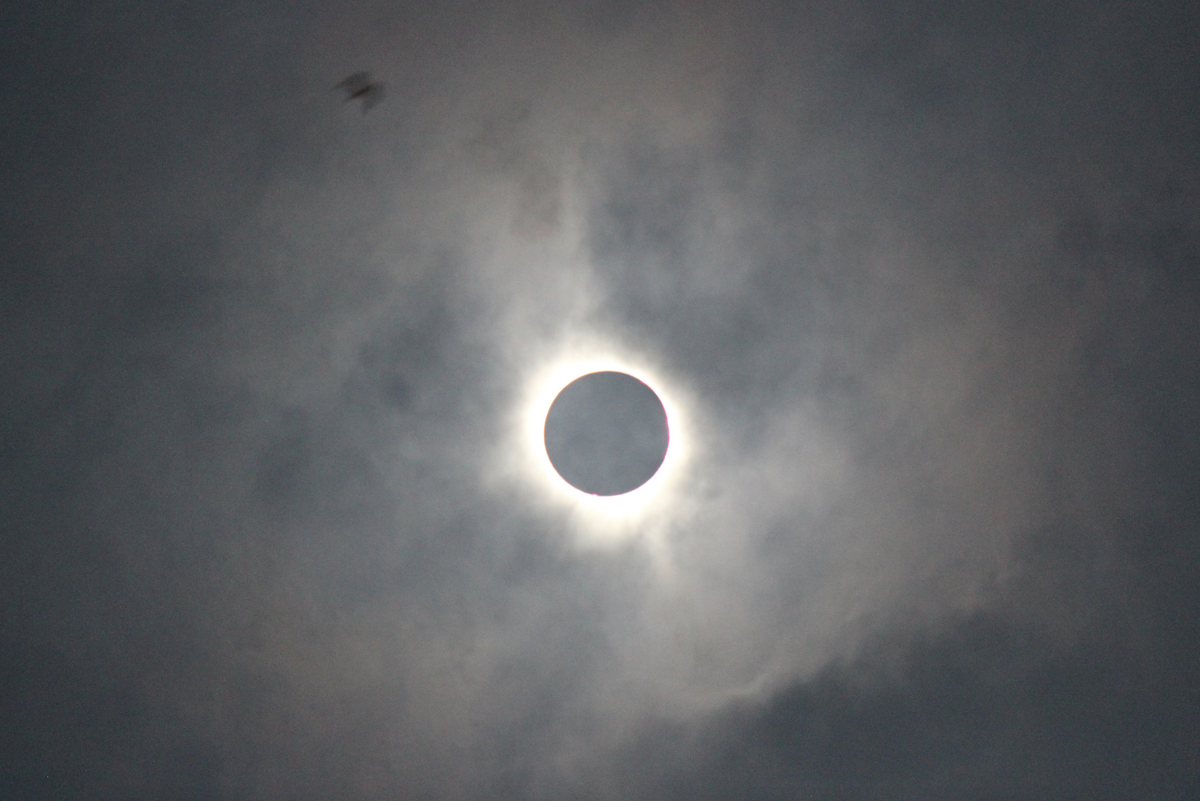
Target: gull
x=359 y=86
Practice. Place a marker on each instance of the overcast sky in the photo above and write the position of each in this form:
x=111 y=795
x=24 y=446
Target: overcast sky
x=918 y=283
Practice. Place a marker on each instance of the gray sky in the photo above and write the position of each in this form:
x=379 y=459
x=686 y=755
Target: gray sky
x=917 y=283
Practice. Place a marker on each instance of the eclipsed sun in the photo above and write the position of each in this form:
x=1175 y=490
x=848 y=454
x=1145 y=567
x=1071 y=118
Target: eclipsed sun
x=603 y=437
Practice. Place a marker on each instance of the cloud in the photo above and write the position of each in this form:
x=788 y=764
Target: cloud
x=922 y=301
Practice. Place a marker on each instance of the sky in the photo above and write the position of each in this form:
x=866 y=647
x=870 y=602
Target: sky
x=918 y=285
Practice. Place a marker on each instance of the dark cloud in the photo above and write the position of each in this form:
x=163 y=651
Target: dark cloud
x=917 y=280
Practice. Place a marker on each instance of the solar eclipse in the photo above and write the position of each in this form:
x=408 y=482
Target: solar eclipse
x=606 y=433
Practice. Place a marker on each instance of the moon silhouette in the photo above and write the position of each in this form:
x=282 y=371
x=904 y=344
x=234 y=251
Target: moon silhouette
x=606 y=433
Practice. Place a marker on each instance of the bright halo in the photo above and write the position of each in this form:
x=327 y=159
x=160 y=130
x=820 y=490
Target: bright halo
x=599 y=520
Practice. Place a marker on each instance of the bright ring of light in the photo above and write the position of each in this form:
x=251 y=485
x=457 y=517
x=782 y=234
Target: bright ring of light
x=598 y=520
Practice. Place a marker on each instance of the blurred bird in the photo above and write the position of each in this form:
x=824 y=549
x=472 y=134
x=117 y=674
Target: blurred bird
x=359 y=86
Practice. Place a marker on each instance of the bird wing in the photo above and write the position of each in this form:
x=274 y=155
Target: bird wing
x=355 y=83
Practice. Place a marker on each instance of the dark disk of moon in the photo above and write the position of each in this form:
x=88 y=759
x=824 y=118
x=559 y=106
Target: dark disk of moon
x=606 y=433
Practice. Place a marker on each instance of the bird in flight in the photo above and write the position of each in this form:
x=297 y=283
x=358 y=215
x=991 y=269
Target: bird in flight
x=359 y=86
